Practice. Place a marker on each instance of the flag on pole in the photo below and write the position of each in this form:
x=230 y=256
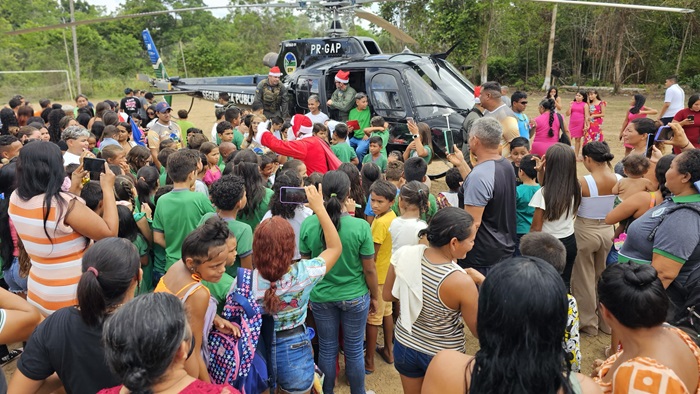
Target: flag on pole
x=136 y=133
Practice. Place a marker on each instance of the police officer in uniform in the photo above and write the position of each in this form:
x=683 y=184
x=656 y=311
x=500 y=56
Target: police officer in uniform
x=272 y=94
x=343 y=98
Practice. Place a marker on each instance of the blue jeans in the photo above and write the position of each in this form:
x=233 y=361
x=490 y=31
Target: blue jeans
x=409 y=362
x=293 y=362
x=361 y=147
x=352 y=314
x=16 y=283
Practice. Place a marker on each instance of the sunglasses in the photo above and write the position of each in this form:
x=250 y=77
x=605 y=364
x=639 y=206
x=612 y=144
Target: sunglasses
x=522 y=102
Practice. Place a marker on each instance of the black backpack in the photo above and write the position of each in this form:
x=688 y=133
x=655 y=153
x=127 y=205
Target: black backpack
x=685 y=299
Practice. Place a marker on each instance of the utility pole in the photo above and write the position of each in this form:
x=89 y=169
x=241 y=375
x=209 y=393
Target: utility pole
x=550 y=51
x=75 y=47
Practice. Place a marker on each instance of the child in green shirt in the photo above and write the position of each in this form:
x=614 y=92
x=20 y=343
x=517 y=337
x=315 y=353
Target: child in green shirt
x=340 y=146
x=379 y=128
x=375 y=156
x=361 y=114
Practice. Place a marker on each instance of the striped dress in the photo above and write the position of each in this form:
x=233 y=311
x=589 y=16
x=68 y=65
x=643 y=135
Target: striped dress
x=56 y=263
x=437 y=326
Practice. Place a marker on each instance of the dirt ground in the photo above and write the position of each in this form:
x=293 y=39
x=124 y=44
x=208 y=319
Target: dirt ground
x=385 y=380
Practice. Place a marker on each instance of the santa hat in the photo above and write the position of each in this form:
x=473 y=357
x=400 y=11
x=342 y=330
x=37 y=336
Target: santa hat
x=343 y=76
x=477 y=93
x=301 y=127
x=275 y=72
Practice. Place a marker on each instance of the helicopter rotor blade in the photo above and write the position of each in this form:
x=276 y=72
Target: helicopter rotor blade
x=150 y=13
x=386 y=25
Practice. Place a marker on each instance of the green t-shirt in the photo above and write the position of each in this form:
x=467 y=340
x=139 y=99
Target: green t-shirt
x=244 y=240
x=432 y=208
x=237 y=138
x=254 y=218
x=380 y=161
x=158 y=259
x=427 y=157
x=184 y=126
x=146 y=284
x=220 y=290
x=384 y=135
x=344 y=152
x=363 y=118
x=177 y=214
x=163 y=175
x=346 y=280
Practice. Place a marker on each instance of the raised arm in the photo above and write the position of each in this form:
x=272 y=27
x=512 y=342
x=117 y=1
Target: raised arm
x=333 y=246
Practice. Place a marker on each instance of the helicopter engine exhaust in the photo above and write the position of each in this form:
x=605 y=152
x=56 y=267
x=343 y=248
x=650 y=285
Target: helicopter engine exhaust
x=270 y=59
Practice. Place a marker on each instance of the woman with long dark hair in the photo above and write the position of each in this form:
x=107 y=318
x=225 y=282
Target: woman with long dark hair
x=558 y=200
x=56 y=227
x=689 y=118
x=522 y=314
x=258 y=196
x=147 y=343
x=637 y=110
x=548 y=127
x=295 y=214
x=357 y=192
x=283 y=287
x=636 y=135
x=9 y=242
x=68 y=342
x=345 y=295
x=634 y=303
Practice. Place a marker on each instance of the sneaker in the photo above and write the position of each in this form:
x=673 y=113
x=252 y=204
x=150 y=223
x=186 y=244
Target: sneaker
x=13 y=354
x=369 y=392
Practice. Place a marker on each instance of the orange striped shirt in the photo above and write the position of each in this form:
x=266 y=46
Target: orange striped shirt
x=56 y=263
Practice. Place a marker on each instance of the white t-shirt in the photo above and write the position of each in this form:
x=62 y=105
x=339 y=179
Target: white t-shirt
x=676 y=97
x=320 y=118
x=300 y=214
x=69 y=158
x=405 y=232
x=560 y=228
x=213 y=133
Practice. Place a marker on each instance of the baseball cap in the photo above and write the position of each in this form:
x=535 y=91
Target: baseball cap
x=128 y=90
x=162 y=107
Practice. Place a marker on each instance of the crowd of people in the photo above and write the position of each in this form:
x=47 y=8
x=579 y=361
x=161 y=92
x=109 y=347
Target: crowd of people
x=142 y=254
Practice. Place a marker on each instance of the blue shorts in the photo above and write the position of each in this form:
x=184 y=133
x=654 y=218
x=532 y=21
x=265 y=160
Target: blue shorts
x=16 y=283
x=410 y=363
x=293 y=360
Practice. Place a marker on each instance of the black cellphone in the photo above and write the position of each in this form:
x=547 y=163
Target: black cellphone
x=93 y=165
x=691 y=118
x=293 y=195
x=650 y=145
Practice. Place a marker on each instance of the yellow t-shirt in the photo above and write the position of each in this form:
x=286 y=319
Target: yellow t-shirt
x=381 y=235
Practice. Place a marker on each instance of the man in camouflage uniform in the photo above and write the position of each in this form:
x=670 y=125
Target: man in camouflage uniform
x=272 y=94
x=343 y=99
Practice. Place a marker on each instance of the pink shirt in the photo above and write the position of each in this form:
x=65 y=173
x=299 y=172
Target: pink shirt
x=542 y=140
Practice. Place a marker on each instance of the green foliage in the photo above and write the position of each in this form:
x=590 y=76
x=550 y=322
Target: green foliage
x=694 y=83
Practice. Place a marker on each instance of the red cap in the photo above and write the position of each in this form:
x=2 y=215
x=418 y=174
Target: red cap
x=477 y=91
x=275 y=72
x=343 y=76
x=301 y=126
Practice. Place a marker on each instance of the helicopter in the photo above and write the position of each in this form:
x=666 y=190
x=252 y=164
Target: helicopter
x=425 y=87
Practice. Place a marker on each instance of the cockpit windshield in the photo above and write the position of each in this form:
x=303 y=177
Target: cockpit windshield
x=438 y=84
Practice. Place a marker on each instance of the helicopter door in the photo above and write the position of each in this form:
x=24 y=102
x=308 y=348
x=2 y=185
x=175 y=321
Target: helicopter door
x=306 y=86
x=385 y=96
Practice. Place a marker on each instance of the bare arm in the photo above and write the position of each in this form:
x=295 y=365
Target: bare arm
x=389 y=285
x=625 y=122
x=196 y=305
x=247 y=262
x=477 y=213
x=634 y=206
x=159 y=239
x=667 y=269
x=648 y=111
x=20 y=318
x=333 y=246
x=145 y=229
x=355 y=161
x=616 y=188
x=369 y=269
x=537 y=220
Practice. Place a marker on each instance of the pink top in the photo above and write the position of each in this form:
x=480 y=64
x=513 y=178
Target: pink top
x=542 y=140
x=212 y=175
x=196 y=387
x=631 y=116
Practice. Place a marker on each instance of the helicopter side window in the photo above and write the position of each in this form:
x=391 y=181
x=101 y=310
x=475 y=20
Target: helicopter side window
x=385 y=96
x=306 y=87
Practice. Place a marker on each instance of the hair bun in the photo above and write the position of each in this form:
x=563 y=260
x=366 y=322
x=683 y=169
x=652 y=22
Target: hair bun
x=215 y=228
x=136 y=379
x=608 y=156
x=640 y=276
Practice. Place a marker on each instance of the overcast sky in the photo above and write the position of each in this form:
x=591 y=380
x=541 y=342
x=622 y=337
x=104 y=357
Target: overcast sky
x=112 y=5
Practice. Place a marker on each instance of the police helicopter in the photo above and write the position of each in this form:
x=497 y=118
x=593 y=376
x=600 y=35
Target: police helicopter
x=425 y=87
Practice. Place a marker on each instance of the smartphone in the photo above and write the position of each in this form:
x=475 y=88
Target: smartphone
x=93 y=165
x=691 y=118
x=293 y=195
x=449 y=142
x=650 y=145
x=665 y=133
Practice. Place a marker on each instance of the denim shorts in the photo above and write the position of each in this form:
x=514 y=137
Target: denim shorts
x=410 y=363
x=293 y=362
x=16 y=283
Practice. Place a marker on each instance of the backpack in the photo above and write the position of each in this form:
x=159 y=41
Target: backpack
x=233 y=360
x=685 y=298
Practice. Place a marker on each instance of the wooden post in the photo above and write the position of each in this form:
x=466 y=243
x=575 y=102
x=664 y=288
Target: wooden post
x=680 y=54
x=550 y=51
